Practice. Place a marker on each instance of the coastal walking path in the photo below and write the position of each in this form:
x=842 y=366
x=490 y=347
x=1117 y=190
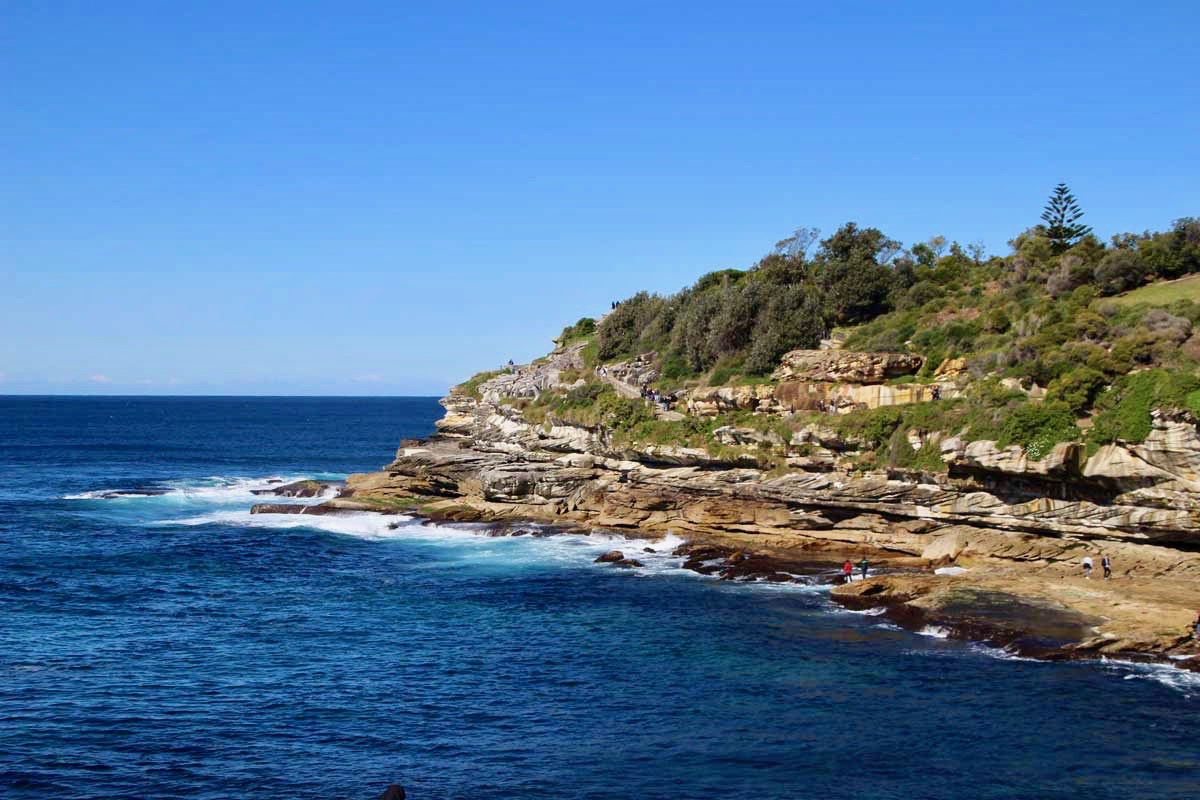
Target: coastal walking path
x=633 y=393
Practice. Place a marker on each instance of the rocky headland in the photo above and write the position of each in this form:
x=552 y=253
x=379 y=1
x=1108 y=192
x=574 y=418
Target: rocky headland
x=1011 y=529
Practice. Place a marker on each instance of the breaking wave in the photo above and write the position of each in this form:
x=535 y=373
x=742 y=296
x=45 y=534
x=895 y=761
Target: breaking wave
x=214 y=489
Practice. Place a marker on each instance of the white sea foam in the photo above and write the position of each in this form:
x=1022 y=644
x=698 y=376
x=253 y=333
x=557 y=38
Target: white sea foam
x=471 y=541
x=1001 y=653
x=935 y=631
x=215 y=489
x=361 y=524
x=109 y=494
x=864 y=612
x=1173 y=677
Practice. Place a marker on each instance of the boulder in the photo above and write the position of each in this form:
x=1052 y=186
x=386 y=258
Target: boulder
x=393 y=792
x=611 y=557
x=951 y=369
x=638 y=371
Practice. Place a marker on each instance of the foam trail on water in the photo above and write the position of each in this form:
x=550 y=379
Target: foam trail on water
x=470 y=541
x=865 y=612
x=214 y=489
x=1173 y=677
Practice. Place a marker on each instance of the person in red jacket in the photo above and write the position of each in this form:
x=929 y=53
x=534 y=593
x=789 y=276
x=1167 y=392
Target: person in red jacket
x=848 y=571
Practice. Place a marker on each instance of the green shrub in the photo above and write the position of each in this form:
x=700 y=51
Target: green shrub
x=1125 y=408
x=875 y=426
x=1037 y=427
x=623 y=413
x=675 y=368
x=582 y=329
x=996 y=321
x=1077 y=388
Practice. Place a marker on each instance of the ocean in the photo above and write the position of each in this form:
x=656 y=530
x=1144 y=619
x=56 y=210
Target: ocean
x=157 y=640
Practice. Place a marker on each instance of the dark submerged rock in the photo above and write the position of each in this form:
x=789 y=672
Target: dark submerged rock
x=288 y=508
x=305 y=488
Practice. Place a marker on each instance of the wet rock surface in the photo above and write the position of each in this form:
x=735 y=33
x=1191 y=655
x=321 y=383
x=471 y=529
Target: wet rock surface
x=306 y=488
x=288 y=508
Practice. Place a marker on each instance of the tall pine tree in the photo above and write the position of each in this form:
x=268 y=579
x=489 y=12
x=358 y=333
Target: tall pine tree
x=1062 y=215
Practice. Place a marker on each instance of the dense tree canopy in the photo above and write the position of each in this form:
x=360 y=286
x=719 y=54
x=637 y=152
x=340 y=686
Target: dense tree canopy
x=1010 y=314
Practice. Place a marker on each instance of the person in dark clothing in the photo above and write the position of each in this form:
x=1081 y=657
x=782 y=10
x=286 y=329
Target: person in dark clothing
x=1107 y=565
x=937 y=392
x=863 y=565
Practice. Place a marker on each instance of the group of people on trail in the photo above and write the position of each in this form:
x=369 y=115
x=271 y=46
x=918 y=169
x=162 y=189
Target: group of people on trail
x=848 y=569
x=1105 y=564
x=654 y=396
x=830 y=406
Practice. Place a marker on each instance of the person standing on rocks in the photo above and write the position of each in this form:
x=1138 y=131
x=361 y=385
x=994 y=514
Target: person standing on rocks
x=1196 y=626
x=1106 y=565
x=1087 y=567
x=863 y=565
x=848 y=571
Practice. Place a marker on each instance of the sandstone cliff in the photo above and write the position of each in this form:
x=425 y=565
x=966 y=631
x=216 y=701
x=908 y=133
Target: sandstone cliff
x=1016 y=522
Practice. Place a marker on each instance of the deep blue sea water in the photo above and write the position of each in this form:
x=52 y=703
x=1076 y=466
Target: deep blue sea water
x=176 y=646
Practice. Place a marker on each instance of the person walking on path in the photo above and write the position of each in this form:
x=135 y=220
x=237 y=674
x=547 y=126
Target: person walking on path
x=1106 y=565
x=1087 y=566
x=863 y=566
x=1196 y=626
x=848 y=571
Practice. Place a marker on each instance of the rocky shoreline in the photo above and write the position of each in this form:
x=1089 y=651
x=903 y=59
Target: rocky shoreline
x=1015 y=527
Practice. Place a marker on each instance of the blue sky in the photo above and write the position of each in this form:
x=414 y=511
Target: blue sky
x=383 y=197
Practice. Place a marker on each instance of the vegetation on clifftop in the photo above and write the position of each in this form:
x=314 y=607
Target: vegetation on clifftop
x=1064 y=338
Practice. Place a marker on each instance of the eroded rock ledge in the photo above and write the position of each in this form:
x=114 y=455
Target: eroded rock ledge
x=1020 y=526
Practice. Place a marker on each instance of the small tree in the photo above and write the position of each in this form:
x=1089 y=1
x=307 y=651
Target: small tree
x=1062 y=215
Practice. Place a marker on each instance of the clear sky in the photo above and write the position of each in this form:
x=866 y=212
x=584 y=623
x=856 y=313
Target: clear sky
x=385 y=197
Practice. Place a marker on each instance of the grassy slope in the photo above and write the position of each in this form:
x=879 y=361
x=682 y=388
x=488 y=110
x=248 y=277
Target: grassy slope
x=1163 y=293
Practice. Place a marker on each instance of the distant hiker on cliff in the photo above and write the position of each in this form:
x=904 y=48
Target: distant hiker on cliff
x=1087 y=566
x=937 y=392
x=863 y=565
x=1106 y=565
x=848 y=571
x=1196 y=625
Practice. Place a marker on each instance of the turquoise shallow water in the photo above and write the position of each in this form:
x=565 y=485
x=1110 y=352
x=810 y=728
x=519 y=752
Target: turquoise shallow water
x=173 y=645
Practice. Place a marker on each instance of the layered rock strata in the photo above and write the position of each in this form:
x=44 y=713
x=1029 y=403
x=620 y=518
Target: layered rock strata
x=1019 y=525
